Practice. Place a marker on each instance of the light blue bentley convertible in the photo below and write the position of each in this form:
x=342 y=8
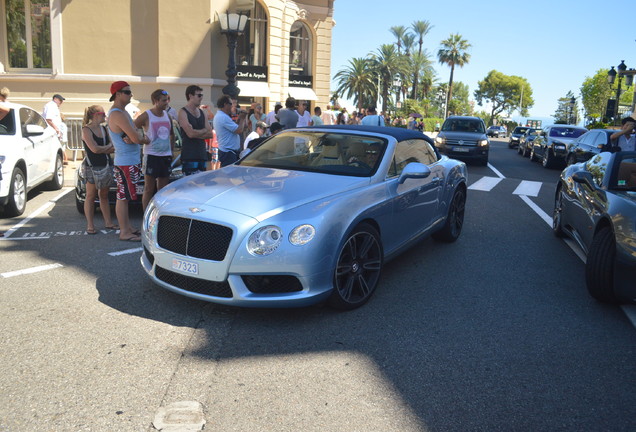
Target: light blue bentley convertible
x=311 y=214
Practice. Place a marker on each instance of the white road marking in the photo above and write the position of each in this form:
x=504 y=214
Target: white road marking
x=31 y=270
x=24 y=221
x=485 y=184
x=126 y=251
x=528 y=188
x=496 y=171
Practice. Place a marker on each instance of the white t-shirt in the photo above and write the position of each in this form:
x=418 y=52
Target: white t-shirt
x=303 y=119
x=52 y=112
x=250 y=137
x=627 y=144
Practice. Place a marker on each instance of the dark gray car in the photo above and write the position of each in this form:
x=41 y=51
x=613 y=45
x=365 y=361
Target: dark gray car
x=464 y=138
x=595 y=204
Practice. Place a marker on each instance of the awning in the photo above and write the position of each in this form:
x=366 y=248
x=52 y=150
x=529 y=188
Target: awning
x=302 y=93
x=253 y=88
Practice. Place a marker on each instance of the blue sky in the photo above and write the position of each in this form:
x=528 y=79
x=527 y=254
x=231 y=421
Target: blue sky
x=554 y=44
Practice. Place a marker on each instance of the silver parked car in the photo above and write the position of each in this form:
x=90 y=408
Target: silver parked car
x=311 y=214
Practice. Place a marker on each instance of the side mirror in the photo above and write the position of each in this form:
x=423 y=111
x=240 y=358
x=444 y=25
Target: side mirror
x=583 y=177
x=414 y=170
x=33 y=130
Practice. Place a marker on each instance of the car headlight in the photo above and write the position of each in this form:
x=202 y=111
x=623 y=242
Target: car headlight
x=439 y=140
x=482 y=143
x=302 y=234
x=264 y=240
x=150 y=217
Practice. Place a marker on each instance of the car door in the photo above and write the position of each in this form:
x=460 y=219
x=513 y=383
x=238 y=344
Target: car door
x=416 y=201
x=584 y=145
x=38 y=149
x=589 y=199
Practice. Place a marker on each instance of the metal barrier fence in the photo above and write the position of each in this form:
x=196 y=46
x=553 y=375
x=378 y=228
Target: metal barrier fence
x=74 y=135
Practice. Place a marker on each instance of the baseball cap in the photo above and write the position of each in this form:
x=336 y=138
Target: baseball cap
x=278 y=104
x=58 y=96
x=262 y=125
x=115 y=87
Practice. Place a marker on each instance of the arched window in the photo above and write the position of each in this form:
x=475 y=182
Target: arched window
x=300 y=49
x=252 y=46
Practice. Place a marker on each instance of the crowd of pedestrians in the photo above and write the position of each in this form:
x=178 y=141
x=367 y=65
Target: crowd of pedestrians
x=115 y=140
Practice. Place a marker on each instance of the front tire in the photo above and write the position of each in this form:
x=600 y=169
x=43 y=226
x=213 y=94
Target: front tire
x=358 y=269
x=455 y=220
x=557 y=214
x=17 y=194
x=57 y=182
x=547 y=161
x=599 y=268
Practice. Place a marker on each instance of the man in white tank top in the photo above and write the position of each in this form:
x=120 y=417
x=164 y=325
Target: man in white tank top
x=158 y=154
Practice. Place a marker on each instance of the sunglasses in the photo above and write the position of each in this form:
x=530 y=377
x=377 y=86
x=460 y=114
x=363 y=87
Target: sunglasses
x=199 y=94
x=126 y=92
x=163 y=92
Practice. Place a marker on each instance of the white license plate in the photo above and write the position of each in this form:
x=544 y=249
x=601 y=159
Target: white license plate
x=185 y=266
x=461 y=149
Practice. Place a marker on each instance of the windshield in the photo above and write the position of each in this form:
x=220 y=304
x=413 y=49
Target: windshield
x=463 y=125
x=520 y=130
x=567 y=132
x=330 y=153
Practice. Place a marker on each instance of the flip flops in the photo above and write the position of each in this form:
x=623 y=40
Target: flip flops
x=112 y=227
x=91 y=231
x=134 y=239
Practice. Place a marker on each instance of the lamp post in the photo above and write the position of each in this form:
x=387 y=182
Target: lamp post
x=611 y=77
x=570 y=117
x=232 y=26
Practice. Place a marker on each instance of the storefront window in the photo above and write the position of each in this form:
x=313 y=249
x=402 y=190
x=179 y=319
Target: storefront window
x=252 y=46
x=28 y=27
x=299 y=49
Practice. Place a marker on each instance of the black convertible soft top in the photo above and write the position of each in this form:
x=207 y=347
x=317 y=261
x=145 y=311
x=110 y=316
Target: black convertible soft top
x=399 y=134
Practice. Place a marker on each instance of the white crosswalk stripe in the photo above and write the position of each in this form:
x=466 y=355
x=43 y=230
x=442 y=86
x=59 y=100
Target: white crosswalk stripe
x=485 y=183
x=528 y=188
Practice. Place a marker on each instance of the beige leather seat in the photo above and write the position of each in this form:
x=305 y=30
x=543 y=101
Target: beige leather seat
x=330 y=155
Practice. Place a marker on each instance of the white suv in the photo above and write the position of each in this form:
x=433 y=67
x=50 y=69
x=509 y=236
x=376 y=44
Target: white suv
x=30 y=154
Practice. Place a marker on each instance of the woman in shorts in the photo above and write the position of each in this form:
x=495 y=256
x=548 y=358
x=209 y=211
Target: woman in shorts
x=97 y=168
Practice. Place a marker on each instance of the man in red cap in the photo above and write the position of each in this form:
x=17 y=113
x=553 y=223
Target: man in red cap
x=127 y=165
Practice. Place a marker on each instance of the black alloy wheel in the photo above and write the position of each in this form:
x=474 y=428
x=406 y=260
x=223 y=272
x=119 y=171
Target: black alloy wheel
x=358 y=269
x=599 y=267
x=455 y=220
x=557 y=227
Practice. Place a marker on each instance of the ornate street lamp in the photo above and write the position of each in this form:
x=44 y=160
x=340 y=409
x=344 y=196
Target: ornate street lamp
x=611 y=77
x=232 y=26
x=572 y=103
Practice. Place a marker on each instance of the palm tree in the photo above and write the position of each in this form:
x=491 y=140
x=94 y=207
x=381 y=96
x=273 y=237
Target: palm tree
x=453 y=52
x=386 y=63
x=398 y=32
x=356 y=80
x=422 y=66
x=421 y=29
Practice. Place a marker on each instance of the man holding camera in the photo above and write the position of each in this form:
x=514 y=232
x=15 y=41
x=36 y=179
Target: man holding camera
x=227 y=132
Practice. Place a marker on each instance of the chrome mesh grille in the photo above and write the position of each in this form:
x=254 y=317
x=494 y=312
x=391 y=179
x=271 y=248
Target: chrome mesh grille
x=193 y=238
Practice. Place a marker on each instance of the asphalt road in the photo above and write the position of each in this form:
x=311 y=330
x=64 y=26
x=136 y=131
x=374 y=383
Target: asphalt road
x=495 y=332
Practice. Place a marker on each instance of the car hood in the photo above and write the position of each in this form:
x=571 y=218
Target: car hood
x=256 y=192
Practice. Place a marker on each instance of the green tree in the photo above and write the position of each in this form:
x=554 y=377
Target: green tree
x=357 y=81
x=421 y=29
x=460 y=105
x=398 y=32
x=505 y=93
x=453 y=52
x=566 y=112
x=596 y=91
x=386 y=63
